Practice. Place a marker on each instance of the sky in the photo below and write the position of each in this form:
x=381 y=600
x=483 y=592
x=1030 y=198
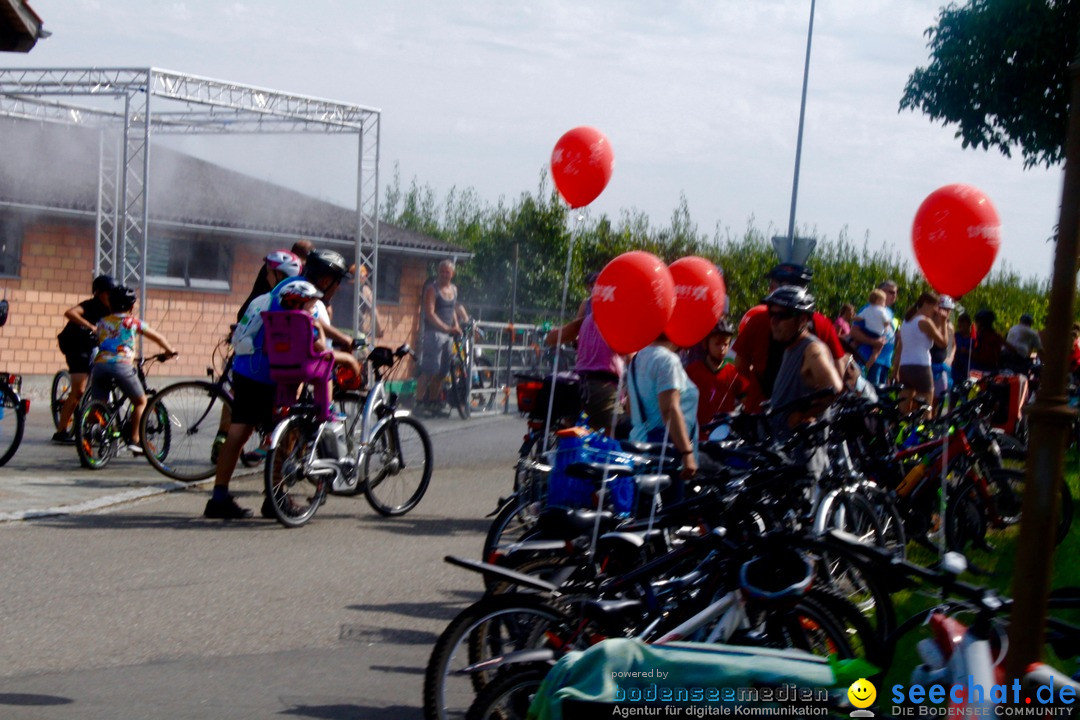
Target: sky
x=698 y=98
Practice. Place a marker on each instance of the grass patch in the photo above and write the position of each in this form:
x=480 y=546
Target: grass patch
x=1000 y=567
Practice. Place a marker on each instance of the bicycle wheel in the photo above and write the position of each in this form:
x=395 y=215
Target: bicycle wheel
x=190 y=411
x=490 y=627
x=12 y=422
x=516 y=518
x=397 y=466
x=824 y=625
x=1006 y=487
x=61 y=388
x=295 y=487
x=96 y=437
x=458 y=393
x=155 y=431
x=509 y=695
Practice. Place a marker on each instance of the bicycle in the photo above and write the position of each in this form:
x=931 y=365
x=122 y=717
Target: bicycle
x=13 y=410
x=381 y=450
x=198 y=413
x=58 y=395
x=103 y=427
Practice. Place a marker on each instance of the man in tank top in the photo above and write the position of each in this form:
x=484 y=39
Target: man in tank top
x=807 y=365
x=441 y=312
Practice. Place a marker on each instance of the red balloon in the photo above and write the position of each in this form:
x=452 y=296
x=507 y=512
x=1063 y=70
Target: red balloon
x=632 y=300
x=699 y=300
x=956 y=236
x=581 y=165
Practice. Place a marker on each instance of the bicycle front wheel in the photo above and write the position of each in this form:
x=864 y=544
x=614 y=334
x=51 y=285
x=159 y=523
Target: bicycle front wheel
x=397 y=466
x=179 y=427
x=295 y=488
x=12 y=423
x=61 y=388
x=96 y=437
x=459 y=390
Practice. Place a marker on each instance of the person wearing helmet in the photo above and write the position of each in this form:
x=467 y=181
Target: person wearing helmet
x=442 y=315
x=758 y=354
x=114 y=364
x=277 y=266
x=716 y=378
x=254 y=391
x=77 y=341
x=325 y=269
x=806 y=365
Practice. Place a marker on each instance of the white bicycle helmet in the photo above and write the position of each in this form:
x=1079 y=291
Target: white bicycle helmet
x=294 y=295
x=284 y=262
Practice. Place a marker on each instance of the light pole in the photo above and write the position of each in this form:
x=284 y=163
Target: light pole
x=802 y=118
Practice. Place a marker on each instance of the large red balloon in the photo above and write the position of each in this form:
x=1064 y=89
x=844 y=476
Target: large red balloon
x=632 y=300
x=581 y=165
x=956 y=236
x=699 y=300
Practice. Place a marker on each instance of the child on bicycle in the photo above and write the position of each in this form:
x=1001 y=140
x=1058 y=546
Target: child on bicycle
x=117 y=334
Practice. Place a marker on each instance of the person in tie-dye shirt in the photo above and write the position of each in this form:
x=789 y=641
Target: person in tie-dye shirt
x=117 y=335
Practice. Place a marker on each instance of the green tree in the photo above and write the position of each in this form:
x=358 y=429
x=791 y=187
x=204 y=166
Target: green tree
x=999 y=72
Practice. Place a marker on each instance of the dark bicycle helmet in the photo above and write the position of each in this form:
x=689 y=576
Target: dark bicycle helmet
x=122 y=298
x=723 y=327
x=103 y=283
x=791 y=274
x=321 y=263
x=796 y=298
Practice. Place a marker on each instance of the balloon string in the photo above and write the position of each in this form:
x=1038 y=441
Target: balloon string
x=562 y=313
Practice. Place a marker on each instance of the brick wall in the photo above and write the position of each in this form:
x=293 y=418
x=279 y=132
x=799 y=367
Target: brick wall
x=57 y=269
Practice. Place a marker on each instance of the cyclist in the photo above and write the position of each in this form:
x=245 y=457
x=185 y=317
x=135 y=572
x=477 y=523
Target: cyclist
x=77 y=341
x=115 y=361
x=253 y=390
x=807 y=364
x=717 y=380
x=758 y=354
x=277 y=266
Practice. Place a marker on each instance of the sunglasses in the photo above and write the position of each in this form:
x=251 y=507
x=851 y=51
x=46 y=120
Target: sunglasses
x=781 y=314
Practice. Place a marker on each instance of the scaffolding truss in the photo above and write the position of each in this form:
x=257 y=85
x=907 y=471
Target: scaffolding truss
x=126 y=105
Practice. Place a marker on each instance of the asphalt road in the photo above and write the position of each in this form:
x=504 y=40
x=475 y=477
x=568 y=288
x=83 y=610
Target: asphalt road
x=147 y=610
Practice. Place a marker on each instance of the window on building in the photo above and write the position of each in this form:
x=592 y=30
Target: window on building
x=389 y=281
x=11 y=237
x=188 y=260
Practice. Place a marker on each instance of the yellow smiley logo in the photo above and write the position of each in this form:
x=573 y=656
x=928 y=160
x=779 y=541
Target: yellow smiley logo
x=862 y=693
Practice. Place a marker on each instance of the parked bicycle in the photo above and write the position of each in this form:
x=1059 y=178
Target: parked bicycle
x=380 y=450
x=103 y=427
x=58 y=395
x=198 y=413
x=13 y=410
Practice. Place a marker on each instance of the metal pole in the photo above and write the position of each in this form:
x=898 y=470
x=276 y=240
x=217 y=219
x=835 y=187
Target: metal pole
x=510 y=334
x=1050 y=418
x=802 y=119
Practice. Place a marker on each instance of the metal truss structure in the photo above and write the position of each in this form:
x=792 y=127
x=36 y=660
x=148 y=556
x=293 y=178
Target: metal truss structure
x=126 y=105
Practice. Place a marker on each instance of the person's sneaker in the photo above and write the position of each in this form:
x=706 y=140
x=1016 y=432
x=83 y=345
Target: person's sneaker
x=226 y=509
x=65 y=438
x=135 y=449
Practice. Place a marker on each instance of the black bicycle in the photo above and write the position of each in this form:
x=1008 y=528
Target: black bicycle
x=103 y=427
x=13 y=411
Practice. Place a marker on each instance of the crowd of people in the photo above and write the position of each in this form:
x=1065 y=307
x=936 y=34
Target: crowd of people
x=782 y=350
x=785 y=350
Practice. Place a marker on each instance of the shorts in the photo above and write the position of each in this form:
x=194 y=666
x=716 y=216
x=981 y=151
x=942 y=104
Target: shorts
x=435 y=357
x=79 y=361
x=253 y=402
x=601 y=399
x=917 y=378
x=103 y=376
